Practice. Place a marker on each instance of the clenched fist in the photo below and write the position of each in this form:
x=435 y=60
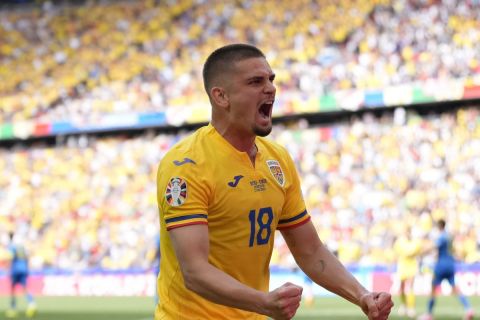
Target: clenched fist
x=283 y=302
x=376 y=305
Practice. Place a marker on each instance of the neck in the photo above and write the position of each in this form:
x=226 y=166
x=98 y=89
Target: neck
x=241 y=142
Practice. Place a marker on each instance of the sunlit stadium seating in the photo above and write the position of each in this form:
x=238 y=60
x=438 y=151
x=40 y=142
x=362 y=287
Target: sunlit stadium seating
x=91 y=202
x=77 y=63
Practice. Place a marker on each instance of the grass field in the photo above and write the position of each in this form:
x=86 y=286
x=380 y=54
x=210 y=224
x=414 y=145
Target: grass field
x=135 y=308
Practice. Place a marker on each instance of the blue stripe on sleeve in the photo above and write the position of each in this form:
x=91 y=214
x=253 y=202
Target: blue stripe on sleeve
x=298 y=216
x=191 y=216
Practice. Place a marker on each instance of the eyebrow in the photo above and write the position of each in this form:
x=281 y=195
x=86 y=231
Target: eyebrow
x=258 y=77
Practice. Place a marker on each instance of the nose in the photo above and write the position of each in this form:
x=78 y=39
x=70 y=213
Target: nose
x=270 y=87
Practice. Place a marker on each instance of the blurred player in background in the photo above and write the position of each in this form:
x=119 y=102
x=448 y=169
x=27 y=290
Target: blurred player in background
x=444 y=269
x=222 y=193
x=407 y=249
x=19 y=276
x=308 y=291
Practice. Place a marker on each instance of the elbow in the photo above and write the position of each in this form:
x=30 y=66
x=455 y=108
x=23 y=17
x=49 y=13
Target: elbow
x=191 y=280
x=190 y=283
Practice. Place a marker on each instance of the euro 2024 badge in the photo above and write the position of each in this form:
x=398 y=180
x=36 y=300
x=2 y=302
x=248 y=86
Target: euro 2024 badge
x=276 y=171
x=176 y=192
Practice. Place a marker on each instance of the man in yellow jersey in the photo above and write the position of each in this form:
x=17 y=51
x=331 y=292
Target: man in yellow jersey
x=407 y=249
x=222 y=193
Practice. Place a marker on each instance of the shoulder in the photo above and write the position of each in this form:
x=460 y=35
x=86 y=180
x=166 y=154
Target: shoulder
x=189 y=150
x=444 y=236
x=186 y=162
x=276 y=152
x=272 y=148
x=270 y=145
x=441 y=239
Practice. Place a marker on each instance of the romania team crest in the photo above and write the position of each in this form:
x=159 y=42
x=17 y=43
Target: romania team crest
x=276 y=171
x=176 y=192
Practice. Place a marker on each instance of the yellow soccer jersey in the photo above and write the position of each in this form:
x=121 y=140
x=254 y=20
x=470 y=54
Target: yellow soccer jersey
x=205 y=180
x=406 y=251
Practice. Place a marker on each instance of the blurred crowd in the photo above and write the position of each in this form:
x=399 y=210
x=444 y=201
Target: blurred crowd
x=77 y=63
x=91 y=202
x=371 y=180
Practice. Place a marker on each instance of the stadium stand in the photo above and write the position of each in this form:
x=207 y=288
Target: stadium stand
x=88 y=201
x=76 y=63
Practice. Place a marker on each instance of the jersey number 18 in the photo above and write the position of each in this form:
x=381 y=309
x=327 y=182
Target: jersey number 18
x=263 y=219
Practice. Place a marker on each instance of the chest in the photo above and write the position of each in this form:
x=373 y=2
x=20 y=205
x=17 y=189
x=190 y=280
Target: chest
x=247 y=199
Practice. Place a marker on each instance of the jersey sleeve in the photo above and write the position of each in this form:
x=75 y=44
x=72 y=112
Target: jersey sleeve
x=182 y=193
x=294 y=211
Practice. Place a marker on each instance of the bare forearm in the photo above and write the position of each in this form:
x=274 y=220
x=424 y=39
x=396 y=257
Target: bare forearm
x=327 y=271
x=219 y=287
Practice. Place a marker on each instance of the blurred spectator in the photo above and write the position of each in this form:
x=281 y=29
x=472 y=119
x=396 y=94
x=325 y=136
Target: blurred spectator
x=90 y=202
x=78 y=62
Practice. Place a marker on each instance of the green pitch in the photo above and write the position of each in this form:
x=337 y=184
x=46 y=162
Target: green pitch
x=135 y=308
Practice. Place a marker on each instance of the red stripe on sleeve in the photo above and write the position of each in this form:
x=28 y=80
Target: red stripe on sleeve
x=293 y=225
x=186 y=224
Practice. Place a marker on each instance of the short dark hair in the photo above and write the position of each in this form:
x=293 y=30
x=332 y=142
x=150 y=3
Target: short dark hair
x=441 y=223
x=223 y=58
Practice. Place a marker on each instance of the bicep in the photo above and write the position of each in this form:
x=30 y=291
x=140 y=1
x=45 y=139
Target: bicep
x=191 y=245
x=302 y=240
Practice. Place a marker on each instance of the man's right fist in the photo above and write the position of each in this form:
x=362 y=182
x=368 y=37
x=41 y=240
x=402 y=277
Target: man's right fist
x=284 y=301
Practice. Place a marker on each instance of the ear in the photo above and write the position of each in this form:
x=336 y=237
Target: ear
x=220 y=97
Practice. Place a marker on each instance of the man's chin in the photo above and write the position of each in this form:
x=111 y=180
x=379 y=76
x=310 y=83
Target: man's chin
x=262 y=131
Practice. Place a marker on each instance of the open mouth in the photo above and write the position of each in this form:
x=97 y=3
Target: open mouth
x=265 y=109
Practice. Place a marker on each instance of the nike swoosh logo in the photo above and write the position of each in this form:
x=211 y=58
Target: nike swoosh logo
x=235 y=181
x=185 y=160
